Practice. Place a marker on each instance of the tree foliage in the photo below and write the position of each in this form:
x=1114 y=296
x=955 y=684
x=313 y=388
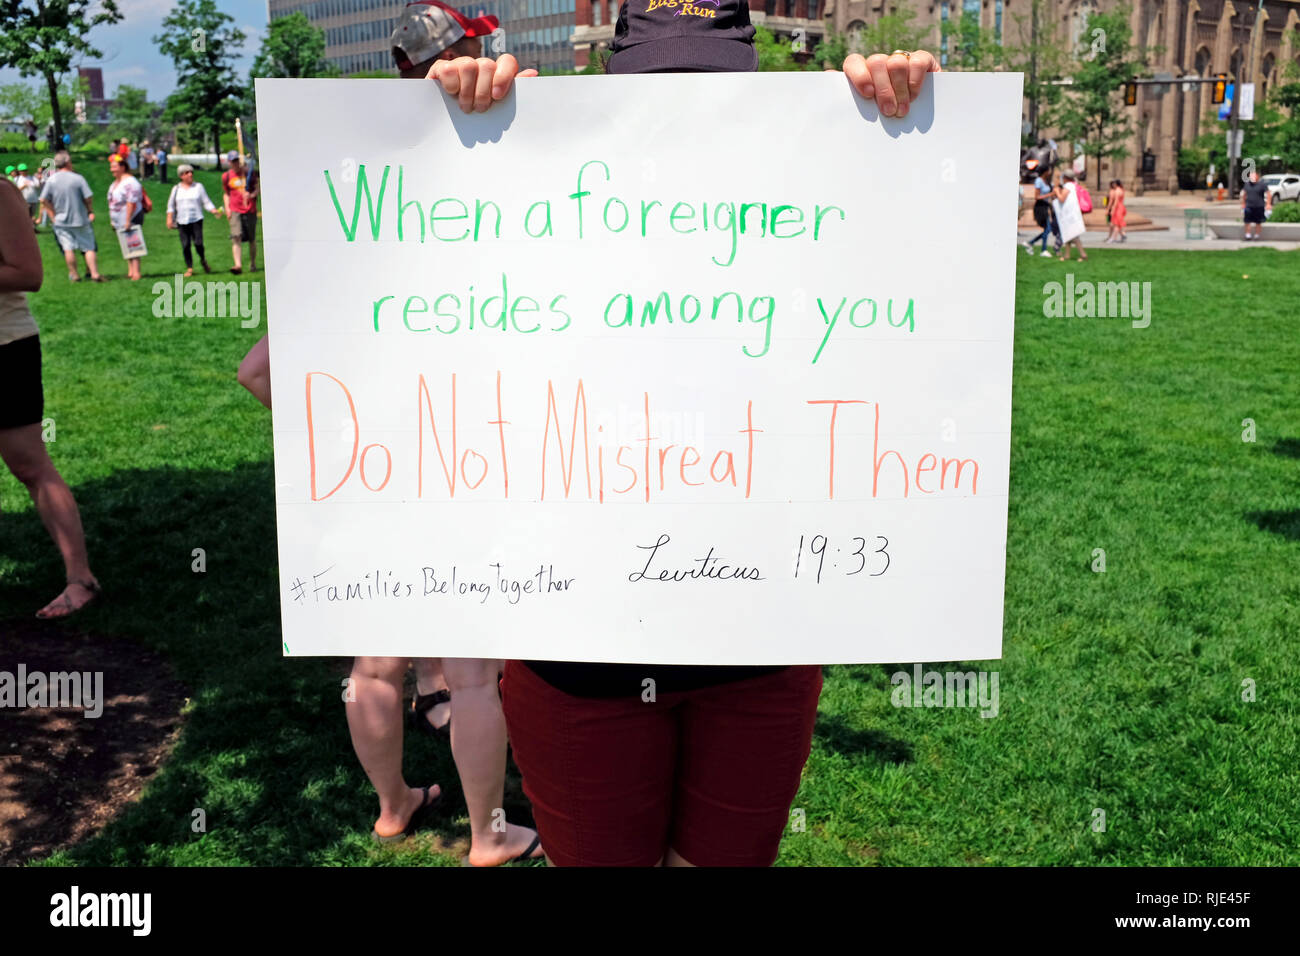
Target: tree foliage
x=133 y=114
x=42 y=37
x=293 y=47
x=203 y=45
x=1091 y=110
x=775 y=54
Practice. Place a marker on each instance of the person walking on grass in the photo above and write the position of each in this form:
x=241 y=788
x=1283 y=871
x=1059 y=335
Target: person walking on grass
x=239 y=188
x=125 y=206
x=185 y=207
x=455 y=697
x=22 y=407
x=68 y=201
x=1069 y=216
x=1256 y=203
x=30 y=188
x=162 y=163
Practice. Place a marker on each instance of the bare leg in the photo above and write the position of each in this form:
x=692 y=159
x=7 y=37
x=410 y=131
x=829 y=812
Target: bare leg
x=24 y=452
x=478 y=745
x=236 y=254
x=375 y=722
x=91 y=260
x=255 y=372
x=252 y=255
x=70 y=257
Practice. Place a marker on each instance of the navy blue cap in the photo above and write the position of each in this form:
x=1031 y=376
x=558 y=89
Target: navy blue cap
x=683 y=36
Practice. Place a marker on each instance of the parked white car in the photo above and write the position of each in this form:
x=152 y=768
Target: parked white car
x=1282 y=185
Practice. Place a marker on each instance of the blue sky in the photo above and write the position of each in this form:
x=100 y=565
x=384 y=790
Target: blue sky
x=130 y=55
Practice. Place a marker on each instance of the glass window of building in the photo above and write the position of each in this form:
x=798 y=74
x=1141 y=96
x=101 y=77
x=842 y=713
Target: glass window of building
x=943 y=33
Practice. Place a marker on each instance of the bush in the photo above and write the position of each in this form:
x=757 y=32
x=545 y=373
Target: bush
x=1285 y=212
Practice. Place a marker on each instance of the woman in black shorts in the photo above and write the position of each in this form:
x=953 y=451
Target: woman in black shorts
x=22 y=405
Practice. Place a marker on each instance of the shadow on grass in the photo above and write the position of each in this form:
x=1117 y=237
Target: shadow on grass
x=1289 y=447
x=1286 y=523
x=265 y=752
x=856 y=743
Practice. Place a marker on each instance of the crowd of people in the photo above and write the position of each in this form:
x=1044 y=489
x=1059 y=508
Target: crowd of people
x=57 y=195
x=703 y=775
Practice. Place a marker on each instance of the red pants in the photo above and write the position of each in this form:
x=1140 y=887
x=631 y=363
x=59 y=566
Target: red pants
x=709 y=773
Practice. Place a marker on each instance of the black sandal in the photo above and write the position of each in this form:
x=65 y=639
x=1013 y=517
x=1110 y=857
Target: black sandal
x=421 y=704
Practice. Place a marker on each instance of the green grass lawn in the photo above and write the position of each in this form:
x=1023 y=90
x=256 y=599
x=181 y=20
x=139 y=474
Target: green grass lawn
x=1120 y=691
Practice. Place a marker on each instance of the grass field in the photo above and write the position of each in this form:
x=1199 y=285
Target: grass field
x=1120 y=691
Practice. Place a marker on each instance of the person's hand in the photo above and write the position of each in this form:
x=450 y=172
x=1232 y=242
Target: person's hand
x=893 y=81
x=171 y=221
x=90 y=217
x=477 y=84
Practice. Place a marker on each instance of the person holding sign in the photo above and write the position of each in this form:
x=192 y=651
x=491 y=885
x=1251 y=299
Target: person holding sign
x=126 y=209
x=426 y=35
x=1069 y=217
x=641 y=764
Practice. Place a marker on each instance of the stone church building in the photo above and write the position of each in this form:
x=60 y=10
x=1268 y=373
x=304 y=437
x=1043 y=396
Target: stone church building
x=1180 y=37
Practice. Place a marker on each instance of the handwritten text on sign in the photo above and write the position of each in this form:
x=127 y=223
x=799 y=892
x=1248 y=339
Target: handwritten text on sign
x=582 y=379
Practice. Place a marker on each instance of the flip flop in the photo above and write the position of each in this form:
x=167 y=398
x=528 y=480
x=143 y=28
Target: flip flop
x=417 y=819
x=525 y=857
x=421 y=704
x=96 y=592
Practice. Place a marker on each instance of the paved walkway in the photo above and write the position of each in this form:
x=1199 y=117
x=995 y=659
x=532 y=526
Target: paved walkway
x=1166 y=211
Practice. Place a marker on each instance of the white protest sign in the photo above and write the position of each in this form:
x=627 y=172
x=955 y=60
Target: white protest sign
x=671 y=369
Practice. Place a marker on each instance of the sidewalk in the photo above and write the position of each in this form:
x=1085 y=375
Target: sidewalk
x=1166 y=213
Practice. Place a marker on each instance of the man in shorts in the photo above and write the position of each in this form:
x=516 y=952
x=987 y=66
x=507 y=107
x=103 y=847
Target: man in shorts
x=240 y=187
x=67 y=199
x=1256 y=200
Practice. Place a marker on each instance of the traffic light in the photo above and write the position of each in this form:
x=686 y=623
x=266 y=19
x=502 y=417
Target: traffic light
x=1220 y=88
x=1130 y=94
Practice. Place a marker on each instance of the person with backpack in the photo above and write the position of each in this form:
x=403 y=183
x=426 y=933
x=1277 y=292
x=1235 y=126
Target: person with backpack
x=127 y=205
x=185 y=205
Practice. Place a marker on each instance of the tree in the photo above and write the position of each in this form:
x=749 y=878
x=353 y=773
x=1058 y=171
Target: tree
x=1030 y=47
x=832 y=50
x=892 y=31
x=1092 y=110
x=971 y=47
x=203 y=46
x=41 y=37
x=293 y=47
x=775 y=55
x=133 y=113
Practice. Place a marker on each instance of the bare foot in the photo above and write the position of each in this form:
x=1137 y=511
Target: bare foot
x=392 y=824
x=74 y=597
x=517 y=841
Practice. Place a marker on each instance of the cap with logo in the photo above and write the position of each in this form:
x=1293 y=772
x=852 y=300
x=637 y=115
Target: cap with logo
x=664 y=36
x=425 y=29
